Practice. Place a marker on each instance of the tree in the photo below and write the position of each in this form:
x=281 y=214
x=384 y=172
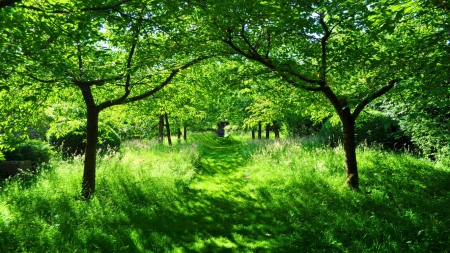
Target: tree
x=351 y=52
x=113 y=56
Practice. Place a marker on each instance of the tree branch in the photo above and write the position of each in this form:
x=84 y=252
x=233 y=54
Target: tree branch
x=41 y=80
x=125 y=100
x=97 y=82
x=375 y=95
x=97 y=8
x=272 y=67
x=252 y=49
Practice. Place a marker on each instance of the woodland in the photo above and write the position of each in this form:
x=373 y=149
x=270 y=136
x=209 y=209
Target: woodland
x=85 y=82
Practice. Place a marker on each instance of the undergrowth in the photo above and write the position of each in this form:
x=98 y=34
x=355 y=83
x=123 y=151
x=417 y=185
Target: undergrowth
x=230 y=194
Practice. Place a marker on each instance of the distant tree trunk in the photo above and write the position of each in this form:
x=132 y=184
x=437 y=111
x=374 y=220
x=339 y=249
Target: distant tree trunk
x=179 y=134
x=259 y=130
x=161 y=128
x=90 y=158
x=169 y=138
x=276 y=129
x=267 y=131
x=253 y=134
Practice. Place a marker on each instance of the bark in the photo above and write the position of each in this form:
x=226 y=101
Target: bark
x=161 y=128
x=259 y=130
x=179 y=134
x=276 y=129
x=350 y=152
x=184 y=133
x=348 y=128
x=253 y=134
x=90 y=159
x=169 y=137
x=267 y=131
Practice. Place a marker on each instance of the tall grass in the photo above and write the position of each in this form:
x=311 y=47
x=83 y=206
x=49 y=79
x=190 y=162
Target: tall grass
x=230 y=194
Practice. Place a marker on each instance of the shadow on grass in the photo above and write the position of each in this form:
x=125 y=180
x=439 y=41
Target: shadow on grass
x=397 y=210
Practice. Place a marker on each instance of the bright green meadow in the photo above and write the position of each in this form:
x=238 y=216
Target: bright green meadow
x=230 y=194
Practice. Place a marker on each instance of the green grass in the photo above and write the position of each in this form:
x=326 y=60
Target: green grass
x=231 y=194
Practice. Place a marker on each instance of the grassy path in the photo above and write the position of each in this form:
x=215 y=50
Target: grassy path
x=230 y=216
x=222 y=169
x=287 y=197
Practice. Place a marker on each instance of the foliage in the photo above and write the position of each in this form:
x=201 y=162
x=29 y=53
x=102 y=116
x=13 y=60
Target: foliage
x=426 y=120
x=338 y=55
x=20 y=117
x=301 y=126
x=70 y=137
x=36 y=151
x=244 y=196
x=372 y=127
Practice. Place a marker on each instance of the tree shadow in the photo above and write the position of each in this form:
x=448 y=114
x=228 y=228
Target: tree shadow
x=397 y=210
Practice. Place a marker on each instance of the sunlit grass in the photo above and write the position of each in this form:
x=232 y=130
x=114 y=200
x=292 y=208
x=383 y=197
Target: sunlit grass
x=230 y=194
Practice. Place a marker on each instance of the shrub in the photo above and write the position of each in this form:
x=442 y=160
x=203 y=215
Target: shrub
x=70 y=137
x=300 y=126
x=371 y=127
x=36 y=151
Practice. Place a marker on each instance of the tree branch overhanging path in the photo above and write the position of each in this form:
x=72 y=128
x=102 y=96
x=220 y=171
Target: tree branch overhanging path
x=129 y=50
x=106 y=69
x=307 y=45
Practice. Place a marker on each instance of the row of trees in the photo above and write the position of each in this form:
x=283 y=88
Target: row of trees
x=189 y=59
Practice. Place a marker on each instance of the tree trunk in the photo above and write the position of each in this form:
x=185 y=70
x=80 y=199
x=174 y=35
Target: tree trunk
x=350 y=153
x=184 y=133
x=348 y=129
x=267 y=131
x=253 y=134
x=169 y=138
x=276 y=129
x=90 y=155
x=161 y=129
x=259 y=130
x=179 y=134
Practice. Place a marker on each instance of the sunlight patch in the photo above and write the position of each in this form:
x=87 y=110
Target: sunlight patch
x=5 y=215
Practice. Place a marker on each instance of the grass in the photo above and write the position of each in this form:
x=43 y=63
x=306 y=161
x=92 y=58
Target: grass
x=231 y=194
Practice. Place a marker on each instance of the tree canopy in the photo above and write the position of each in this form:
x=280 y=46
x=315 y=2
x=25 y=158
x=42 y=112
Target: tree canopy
x=268 y=59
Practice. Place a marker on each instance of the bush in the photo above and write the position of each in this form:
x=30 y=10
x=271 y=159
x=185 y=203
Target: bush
x=36 y=151
x=300 y=126
x=428 y=127
x=371 y=127
x=70 y=137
